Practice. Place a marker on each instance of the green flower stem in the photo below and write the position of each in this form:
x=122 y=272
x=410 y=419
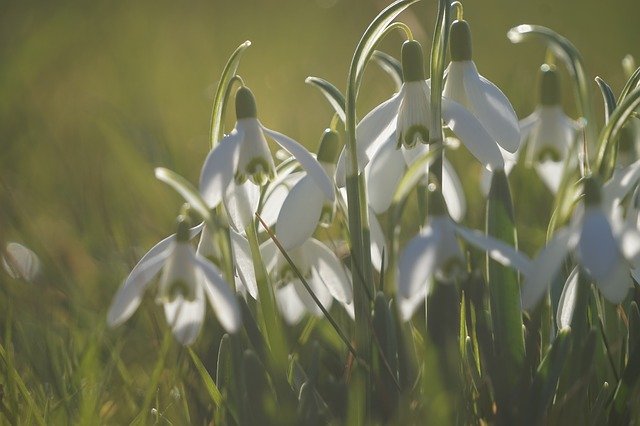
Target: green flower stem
x=269 y=316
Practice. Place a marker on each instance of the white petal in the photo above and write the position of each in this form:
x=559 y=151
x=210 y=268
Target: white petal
x=378 y=243
x=407 y=306
x=300 y=213
x=454 y=84
x=244 y=262
x=319 y=290
x=550 y=173
x=452 y=192
x=20 y=262
x=186 y=317
x=290 y=305
x=330 y=271
x=129 y=295
x=597 y=248
x=545 y=266
x=270 y=254
x=527 y=124
x=621 y=183
x=472 y=134
x=616 y=285
x=485 y=181
x=222 y=299
x=306 y=160
x=418 y=262
x=376 y=127
x=567 y=303
x=276 y=194
x=219 y=168
x=498 y=250
x=241 y=202
x=383 y=174
x=207 y=247
x=492 y=108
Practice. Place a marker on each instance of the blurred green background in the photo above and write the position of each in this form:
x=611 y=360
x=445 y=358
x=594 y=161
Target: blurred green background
x=94 y=95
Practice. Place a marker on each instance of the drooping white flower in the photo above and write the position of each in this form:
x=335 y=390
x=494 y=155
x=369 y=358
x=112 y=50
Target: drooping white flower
x=321 y=269
x=605 y=250
x=435 y=254
x=185 y=280
x=486 y=101
x=404 y=120
x=244 y=154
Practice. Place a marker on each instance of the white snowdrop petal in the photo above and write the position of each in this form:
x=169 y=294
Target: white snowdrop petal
x=408 y=306
x=241 y=203
x=492 y=108
x=300 y=213
x=276 y=194
x=616 y=285
x=306 y=160
x=186 y=317
x=319 y=290
x=244 y=262
x=418 y=262
x=472 y=134
x=330 y=271
x=567 y=303
x=378 y=242
x=452 y=192
x=550 y=173
x=219 y=168
x=621 y=183
x=290 y=305
x=222 y=299
x=20 y=262
x=597 y=248
x=129 y=295
x=498 y=250
x=454 y=84
x=545 y=266
x=383 y=174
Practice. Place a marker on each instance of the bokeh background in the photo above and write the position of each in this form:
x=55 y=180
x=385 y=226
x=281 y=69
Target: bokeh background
x=94 y=95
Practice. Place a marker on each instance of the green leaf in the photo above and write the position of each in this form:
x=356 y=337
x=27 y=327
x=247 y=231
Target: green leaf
x=333 y=95
x=253 y=332
x=504 y=289
x=413 y=175
x=545 y=382
x=390 y=65
x=623 y=399
x=608 y=97
x=212 y=389
x=259 y=392
x=187 y=191
x=385 y=338
x=608 y=138
x=631 y=84
x=220 y=98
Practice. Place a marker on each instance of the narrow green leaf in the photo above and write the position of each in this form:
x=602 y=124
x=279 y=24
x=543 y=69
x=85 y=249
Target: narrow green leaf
x=631 y=84
x=219 y=99
x=259 y=392
x=209 y=384
x=253 y=331
x=331 y=93
x=633 y=337
x=224 y=364
x=545 y=382
x=413 y=175
x=190 y=194
x=385 y=338
x=608 y=97
x=504 y=289
x=609 y=135
x=390 y=65
x=622 y=398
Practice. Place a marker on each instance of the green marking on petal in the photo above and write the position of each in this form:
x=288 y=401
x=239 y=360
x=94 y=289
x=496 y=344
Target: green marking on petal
x=259 y=171
x=326 y=215
x=460 y=41
x=451 y=270
x=410 y=136
x=548 y=153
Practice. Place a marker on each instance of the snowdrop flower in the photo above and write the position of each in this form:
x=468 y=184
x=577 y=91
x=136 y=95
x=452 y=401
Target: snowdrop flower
x=435 y=254
x=549 y=132
x=487 y=103
x=322 y=271
x=403 y=120
x=603 y=248
x=185 y=280
x=20 y=262
x=306 y=204
x=244 y=154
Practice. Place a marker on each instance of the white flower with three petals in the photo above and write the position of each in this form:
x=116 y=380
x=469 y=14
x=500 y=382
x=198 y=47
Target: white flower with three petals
x=244 y=155
x=186 y=278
